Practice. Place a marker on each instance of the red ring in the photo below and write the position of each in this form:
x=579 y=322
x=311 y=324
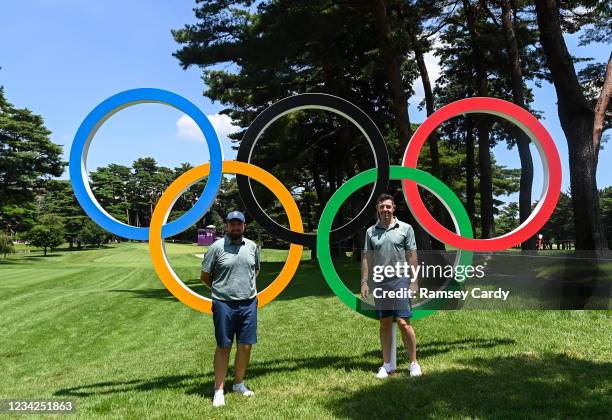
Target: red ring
x=526 y=122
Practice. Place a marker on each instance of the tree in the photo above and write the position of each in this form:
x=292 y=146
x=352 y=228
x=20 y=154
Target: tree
x=560 y=226
x=92 y=234
x=266 y=71
x=577 y=119
x=605 y=198
x=508 y=219
x=58 y=199
x=27 y=158
x=508 y=19
x=422 y=20
x=110 y=186
x=477 y=44
x=48 y=234
x=6 y=245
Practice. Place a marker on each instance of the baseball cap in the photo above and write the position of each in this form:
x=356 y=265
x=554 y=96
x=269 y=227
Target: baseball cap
x=235 y=215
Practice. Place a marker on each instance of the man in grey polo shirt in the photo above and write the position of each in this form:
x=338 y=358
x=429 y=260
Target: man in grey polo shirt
x=387 y=243
x=229 y=268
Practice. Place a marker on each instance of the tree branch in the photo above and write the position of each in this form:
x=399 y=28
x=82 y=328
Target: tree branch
x=602 y=105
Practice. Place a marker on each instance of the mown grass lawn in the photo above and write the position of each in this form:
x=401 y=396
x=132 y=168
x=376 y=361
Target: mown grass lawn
x=98 y=327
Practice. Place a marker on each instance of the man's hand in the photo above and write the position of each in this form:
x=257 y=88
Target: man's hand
x=205 y=277
x=414 y=287
x=365 y=290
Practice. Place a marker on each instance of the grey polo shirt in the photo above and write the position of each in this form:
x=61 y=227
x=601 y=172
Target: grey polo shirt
x=232 y=267
x=388 y=246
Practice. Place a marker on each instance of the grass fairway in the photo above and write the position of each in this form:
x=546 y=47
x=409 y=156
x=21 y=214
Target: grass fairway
x=98 y=327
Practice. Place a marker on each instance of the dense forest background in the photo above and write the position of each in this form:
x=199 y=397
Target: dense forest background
x=370 y=53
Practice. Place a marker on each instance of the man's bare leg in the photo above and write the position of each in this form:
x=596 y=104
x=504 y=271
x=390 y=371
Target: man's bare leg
x=408 y=337
x=385 y=337
x=221 y=360
x=243 y=354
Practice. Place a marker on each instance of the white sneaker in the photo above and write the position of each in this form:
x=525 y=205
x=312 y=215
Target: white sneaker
x=219 y=398
x=415 y=369
x=242 y=389
x=382 y=373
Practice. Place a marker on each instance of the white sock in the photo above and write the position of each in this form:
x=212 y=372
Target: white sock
x=387 y=367
x=219 y=391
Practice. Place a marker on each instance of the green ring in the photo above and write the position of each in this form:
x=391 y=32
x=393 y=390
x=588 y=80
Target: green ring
x=434 y=185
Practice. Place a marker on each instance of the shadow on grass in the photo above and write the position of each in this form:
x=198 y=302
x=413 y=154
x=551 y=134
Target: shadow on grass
x=25 y=260
x=550 y=386
x=202 y=384
x=10 y=261
x=433 y=348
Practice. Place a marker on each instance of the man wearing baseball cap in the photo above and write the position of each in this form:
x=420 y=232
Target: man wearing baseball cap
x=229 y=268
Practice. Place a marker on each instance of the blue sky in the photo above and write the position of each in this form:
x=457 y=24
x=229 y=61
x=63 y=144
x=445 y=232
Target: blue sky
x=61 y=58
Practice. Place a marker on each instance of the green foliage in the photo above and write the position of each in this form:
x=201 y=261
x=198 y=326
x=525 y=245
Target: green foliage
x=42 y=236
x=303 y=148
x=6 y=245
x=110 y=187
x=452 y=171
x=605 y=200
x=49 y=233
x=508 y=219
x=27 y=158
x=58 y=199
x=92 y=234
x=560 y=226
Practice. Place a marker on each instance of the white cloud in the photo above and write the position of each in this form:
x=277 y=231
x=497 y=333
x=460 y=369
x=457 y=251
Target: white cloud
x=223 y=124
x=186 y=128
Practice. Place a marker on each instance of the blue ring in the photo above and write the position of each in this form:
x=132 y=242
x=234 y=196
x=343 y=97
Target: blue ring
x=89 y=127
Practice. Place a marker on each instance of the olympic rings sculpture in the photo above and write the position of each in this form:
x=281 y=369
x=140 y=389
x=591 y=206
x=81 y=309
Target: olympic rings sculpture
x=244 y=170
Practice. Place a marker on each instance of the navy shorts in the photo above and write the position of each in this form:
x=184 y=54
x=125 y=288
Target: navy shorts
x=396 y=313
x=235 y=318
x=395 y=307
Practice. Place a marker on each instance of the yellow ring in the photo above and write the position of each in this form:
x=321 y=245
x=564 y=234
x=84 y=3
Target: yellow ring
x=160 y=217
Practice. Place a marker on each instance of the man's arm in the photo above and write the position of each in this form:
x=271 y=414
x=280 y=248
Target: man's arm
x=413 y=260
x=206 y=279
x=207 y=267
x=257 y=261
x=365 y=267
x=364 y=275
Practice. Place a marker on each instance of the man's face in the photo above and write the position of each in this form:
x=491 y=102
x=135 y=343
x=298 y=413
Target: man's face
x=385 y=211
x=235 y=229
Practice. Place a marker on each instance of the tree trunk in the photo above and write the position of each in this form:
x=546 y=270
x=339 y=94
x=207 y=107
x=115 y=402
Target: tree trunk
x=399 y=97
x=470 y=170
x=332 y=178
x=518 y=96
x=486 y=178
x=602 y=105
x=577 y=120
x=433 y=138
x=484 y=123
x=316 y=175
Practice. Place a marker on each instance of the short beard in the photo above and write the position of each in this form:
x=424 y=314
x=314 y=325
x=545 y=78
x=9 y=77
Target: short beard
x=234 y=236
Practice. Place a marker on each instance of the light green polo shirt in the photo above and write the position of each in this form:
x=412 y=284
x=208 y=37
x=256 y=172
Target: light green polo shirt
x=232 y=267
x=388 y=246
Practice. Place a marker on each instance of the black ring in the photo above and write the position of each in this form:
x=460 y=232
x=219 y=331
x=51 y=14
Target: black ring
x=313 y=101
